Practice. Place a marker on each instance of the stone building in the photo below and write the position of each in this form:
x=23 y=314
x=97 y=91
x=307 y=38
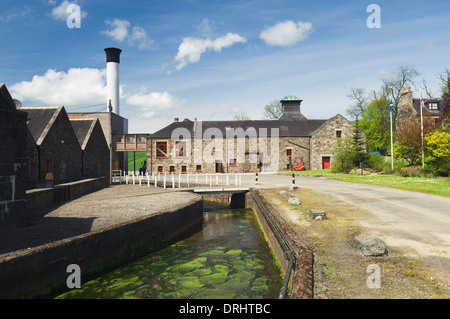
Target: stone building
x=95 y=150
x=247 y=146
x=410 y=107
x=13 y=163
x=112 y=125
x=53 y=151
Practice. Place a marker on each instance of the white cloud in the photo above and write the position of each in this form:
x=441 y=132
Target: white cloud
x=154 y=104
x=76 y=87
x=120 y=31
x=191 y=49
x=60 y=12
x=286 y=33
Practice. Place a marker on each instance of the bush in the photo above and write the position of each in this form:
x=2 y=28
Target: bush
x=375 y=161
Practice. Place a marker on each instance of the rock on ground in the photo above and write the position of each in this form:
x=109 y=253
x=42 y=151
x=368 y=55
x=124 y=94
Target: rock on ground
x=370 y=245
x=294 y=201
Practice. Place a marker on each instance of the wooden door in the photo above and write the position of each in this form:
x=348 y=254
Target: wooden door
x=326 y=162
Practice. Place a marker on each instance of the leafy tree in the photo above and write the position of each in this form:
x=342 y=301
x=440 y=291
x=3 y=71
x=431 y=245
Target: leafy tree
x=376 y=124
x=273 y=110
x=408 y=145
x=241 y=116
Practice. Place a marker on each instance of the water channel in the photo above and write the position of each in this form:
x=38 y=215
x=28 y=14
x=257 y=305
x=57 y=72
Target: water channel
x=229 y=258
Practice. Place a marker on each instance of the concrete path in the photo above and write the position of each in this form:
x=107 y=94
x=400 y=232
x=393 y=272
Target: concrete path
x=416 y=222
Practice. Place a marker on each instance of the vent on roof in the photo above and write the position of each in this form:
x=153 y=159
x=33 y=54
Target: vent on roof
x=17 y=103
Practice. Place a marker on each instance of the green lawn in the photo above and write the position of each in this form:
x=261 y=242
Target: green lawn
x=437 y=186
x=140 y=158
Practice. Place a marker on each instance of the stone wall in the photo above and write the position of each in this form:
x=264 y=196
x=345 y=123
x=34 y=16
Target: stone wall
x=302 y=278
x=96 y=154
x=299 y=147
x=13 y=163
x=324 y=139
x=37 y=270
x=39 y=200
x=205 y=153
x=62 y=148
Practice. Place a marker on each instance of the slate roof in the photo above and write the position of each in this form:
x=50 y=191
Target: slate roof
x=287 y=128
x=426 y=110
x=4 y=94
x=83 y=129
x=40 y=119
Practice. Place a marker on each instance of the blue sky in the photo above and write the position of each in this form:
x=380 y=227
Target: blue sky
x=212 y=59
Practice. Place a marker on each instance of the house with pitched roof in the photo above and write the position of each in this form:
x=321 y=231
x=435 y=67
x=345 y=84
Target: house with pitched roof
x=247 y=146
x=411 y=107
x=13 y=163
x=53 y=151
x=95 y=150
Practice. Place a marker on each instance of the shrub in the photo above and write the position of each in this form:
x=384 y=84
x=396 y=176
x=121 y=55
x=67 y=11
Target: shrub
x=375 y=161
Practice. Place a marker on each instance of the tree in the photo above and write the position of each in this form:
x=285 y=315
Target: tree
x=408 y=138
x=376 y=124
x=360 y=155
x=444 y=117
x=359 y=97
x=241 y=116
x=444 y=76
x=438 y=150
x=402 y=76
x=344 y=156
x=273 y=110
x=408 y=145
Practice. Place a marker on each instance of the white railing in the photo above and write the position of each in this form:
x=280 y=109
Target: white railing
x=180 y=180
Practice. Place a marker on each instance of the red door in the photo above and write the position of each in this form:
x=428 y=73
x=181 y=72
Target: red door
x=326 y=160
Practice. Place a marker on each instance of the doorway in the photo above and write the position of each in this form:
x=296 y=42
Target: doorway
x=326 y=162
x=219 y=167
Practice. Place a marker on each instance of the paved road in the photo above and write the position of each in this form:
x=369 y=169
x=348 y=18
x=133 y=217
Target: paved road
x=416 y=222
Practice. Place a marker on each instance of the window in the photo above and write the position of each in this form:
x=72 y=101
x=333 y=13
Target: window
x=160 y=169
x=183 y=169
x=432 y=106
x=338 y=133
x=130 y=138
x=289 y=152
x=180 y=149
x=198 y=168
x=233 y=162
x=161 y=149
x=142 y=138
x=172 y=169
x=284 y=128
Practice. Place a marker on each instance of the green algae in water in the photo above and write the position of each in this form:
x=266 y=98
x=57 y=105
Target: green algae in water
x=221 y=261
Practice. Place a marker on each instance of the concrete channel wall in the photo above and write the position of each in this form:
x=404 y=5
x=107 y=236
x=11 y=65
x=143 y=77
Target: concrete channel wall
x=301 y=277
x=45 y=266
